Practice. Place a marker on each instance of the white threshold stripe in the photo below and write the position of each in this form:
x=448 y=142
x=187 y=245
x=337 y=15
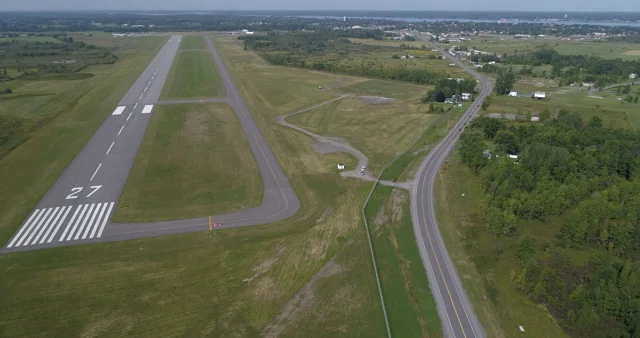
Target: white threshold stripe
x=64 y=233
x=147 y=109
x=93 y=217
x=75 y=225
x=84 y=222
x=87 y=222
x=46 y=214
x=95 y=228
x=104 y=221
x=45 y=226
x=119 y=110
x=26 y=224
x=55 y=231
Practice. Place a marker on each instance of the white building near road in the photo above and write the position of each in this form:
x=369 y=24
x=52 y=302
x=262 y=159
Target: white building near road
x=540 y=95
x=466 y=96
x=513 y=93
x=632 y=76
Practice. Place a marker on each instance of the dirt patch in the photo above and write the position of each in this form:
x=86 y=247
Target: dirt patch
x=326 y=148
x=380 y=219
x=265 y=289
x=292 y=311
x=324 y=214
x=397 y=200
x=377 y=100
x=632 y=52
x=264 y=265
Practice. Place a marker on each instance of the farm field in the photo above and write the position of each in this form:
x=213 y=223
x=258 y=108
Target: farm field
x=487 y=275
x=46 y=122
x=193 y=75
x=603 y=49
x=612 y=111
x=198 y=156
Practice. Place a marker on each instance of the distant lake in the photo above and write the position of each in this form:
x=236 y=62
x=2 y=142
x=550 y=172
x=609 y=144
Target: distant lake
x=510 y=21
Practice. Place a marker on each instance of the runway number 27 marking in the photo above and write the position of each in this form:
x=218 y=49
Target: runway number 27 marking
x=75 y=191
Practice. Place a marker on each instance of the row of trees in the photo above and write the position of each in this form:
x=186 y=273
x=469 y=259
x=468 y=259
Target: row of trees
x=447 y=87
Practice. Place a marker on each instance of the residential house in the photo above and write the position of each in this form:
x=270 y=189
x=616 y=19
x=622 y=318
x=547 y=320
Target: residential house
x=466 y=96
x=535 y=117
x=513 y=93
x=632 y=76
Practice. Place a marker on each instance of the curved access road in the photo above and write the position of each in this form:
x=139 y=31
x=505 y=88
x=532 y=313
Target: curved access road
x=454 y=308
x=78 y=207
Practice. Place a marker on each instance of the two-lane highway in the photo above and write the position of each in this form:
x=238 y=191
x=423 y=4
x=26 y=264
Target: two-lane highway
x=454 y=308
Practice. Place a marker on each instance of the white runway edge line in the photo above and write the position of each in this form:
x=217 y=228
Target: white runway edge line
x=43 y=224
x=95 y=172
x=119 y=110
x=147 y=109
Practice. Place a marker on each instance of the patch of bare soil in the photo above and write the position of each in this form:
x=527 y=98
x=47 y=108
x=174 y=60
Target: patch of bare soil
x=292 y=311
x=398 y=199
x=377 y=100
x=264 y=265
x=632 y=52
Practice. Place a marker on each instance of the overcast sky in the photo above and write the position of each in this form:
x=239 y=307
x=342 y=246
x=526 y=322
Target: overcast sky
x=538 y=5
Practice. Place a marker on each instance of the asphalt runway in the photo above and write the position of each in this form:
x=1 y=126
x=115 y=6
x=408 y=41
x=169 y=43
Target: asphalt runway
x=78 y=208
x=454 y=308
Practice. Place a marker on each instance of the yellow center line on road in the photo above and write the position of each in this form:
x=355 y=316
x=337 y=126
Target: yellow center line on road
x=424 y=218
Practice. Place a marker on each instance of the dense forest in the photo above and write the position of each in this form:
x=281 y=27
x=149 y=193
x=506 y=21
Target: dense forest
x=588 y=173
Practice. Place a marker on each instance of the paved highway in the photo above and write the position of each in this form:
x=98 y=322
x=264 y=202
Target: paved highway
x=454 y=308
x=78 y=207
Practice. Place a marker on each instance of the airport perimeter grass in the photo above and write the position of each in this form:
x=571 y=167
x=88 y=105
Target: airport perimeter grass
x=62 y=122
x=408 y=299
x=485 y=275
x=194 y=161
x=193 y=75
x=380 y=131
x=264 y=280
x=191 y=42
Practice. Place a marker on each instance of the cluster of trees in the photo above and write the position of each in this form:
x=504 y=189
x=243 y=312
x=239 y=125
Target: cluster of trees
x=504 y=82
x=317 y=51
x=576 y=68
x=589 y=170
x=63 y=56
x=447 y=87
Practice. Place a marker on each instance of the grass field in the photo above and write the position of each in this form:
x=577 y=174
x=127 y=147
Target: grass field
x=198 y=155
x=613 y=112
x=408 y=299
x=487 y=275
x=53 y=128
x=31 y=39
x=393 y=43
x=190 y=42
x=193 y=75
x=380 y=131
